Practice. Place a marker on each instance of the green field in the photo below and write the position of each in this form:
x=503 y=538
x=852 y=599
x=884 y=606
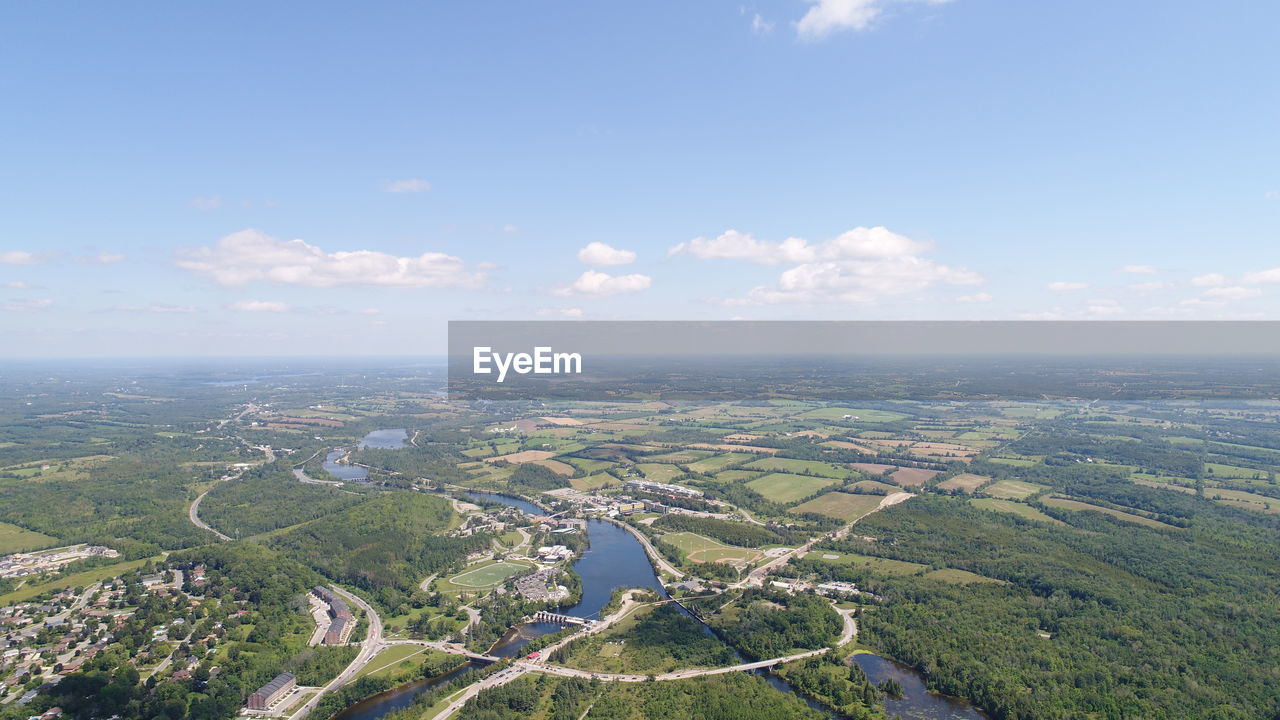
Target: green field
x=1016 y=462
x=80 y=579
x=682 y=456
x=879 y=565
x=660 y=472
x=859 y=415
x=965 y=482
x=736 y=475
x=1233 y=471
x=17 y=539
x=1013 y=489
x=712 y=464
x=1069 y=504
x=873 y=486
x=587 y=465
x=840 y=505
x=703 y=549
x=1015 y=508
x=1246 y=500
x=808 y=467
x=785 y=488
x=488 y=575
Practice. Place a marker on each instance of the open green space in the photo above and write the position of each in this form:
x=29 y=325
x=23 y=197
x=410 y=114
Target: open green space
x=1246 y=500
x=786 y=488
x=1219 y=470
x=855 y=415
x=699 y=549
x=806 y=467
x=840 y=505
x=80 y=579
x=489 y=575
x=1069 y=504
x=18 y=539
x=1013 y=489
x=712 y=464
x=660 y=472
x=1012 y=507
x=879 y=565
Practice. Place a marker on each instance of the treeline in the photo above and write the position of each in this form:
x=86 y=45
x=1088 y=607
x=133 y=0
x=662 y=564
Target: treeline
x=841 y=686
x=767 y=624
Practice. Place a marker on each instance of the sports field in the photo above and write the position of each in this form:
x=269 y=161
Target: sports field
x=785 y=488
x=839 y=505
x=488 y=575
x=703 y=549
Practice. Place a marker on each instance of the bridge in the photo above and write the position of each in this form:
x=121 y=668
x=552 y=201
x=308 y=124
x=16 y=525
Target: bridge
x=550 y=617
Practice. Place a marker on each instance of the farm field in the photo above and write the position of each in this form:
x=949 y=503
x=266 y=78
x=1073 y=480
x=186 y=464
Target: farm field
x=660 y=472
x=1015 y=508
x=840 y=505
x=523 y=456
x=1233 y=471
x=1246 y=500
x=1013 y=489
x=1069 y=504
x=681 y=456
x=712 y=464
x=913 y=477
x=874 y=486
x=736 y=475
x=587 y=465
x=858 y=415
x=966 y=482
x=809 y=467
x=18 y=539
x=785 y=488
x=1016 y=462
x=701 y=549
x=555 y=466
x=872 y=468
x=593 y=482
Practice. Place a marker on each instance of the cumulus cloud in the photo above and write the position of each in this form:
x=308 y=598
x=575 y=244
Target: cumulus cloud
x=572 y=313
x=105 y=258
x=406 y=186
x=1062 y=286
x=26 y=305
x=22 y=257
x=594 y=282
x=828 y=16
x=975 y=298
x=19 y=285
x=1263 y=276
x=207 y=202
x=860 y=266
x=1140 y=269
x=598 y=254
x=1234 y=292
x=251 y=255
x=274 y=306
x=1209 y=280
x=760 y=26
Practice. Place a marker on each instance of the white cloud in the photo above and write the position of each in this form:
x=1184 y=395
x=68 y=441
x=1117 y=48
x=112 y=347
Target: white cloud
x=760 y=26
x=274 y=306
x=251 y=255
x=1062 y=286
x=100 y=259
x=1263 y=276
x=370 y=311
x=1209 y=280
x=408 y=185
x=975 y=298
x=1140 y=269
x=568 y=312
x=207 y=202
x=18 y=285
x=26 y=305
x=510 y=228
x=860 y=266
x=22 y=257
x=593 y=282
x=828 y=16
x=154 y=308
x=1234 y=292
x=599 y=254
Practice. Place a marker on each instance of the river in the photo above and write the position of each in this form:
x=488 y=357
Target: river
x=616 y=559
x=386 y=439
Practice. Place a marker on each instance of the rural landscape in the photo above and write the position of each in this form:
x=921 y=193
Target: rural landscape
x=348 y=542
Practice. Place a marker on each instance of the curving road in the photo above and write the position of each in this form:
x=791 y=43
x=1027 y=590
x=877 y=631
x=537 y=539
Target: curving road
x=194 y=513
x=369 y=649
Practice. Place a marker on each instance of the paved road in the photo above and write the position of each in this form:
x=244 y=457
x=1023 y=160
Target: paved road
x=563 y=671
x=501 y=677
x=756 y=577
x=194 y=513
x=372 y=645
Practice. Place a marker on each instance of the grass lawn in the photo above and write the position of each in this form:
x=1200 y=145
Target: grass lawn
x=1232 y=471
x=1016 y=508
x=1069 y=504
x=17 y=539
x=840 y=505
x=729 y=476
x=1013 y=489
x=659 y=472
x=593 y=482
x=786 y=488
x=587 y=465
x=703 y=549
x=395 y=659
x=809 y=467
x=488 y=575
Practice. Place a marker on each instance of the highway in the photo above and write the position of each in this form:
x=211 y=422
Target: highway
x=194 y=513
x=372 y=645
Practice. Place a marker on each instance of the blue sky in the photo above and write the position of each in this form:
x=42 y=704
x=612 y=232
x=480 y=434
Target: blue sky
x=325 y=178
